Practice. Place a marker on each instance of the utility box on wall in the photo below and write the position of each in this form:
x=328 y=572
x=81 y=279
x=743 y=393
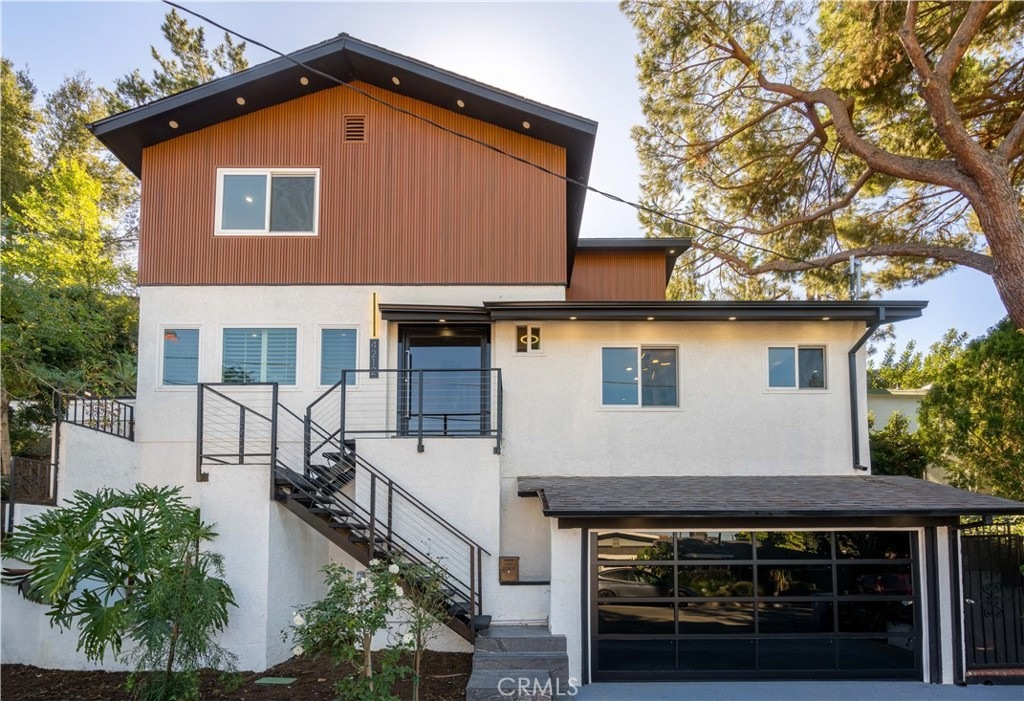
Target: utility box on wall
x=508 y=570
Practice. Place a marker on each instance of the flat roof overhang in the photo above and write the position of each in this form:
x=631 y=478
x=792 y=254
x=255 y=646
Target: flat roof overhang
x=864 y=311
x=758 y=497
x=349 y=59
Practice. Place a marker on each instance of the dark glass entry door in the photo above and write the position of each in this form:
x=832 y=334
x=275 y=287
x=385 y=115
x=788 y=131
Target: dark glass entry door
x=445 y=380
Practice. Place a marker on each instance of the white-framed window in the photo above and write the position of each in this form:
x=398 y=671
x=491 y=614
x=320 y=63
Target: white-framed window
x=338 y=351
x=259 y=355
x=640 y=376
x=528 y=339
x=267 y=201
x=796 y=367
x=179 y=359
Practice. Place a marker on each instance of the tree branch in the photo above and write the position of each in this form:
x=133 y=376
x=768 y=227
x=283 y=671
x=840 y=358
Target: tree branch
x=936 y=91
x=841 y=203
x=962 y=38
x=1013 y=143
x=936 y=172
x=949 y=254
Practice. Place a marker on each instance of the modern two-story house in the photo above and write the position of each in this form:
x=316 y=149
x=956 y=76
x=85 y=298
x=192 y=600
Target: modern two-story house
x=369 y=326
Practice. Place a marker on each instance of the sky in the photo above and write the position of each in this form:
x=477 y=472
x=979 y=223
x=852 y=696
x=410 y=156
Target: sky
x=577 y=56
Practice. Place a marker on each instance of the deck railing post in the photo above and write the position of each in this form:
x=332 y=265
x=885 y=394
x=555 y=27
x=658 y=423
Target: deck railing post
x=273 y=438
x=307 y=458
x=200 y=475
x=241 y=435
x=391 y=505
x=419 y=444
x=341 y=411
x=371 y=539
x=471 y=609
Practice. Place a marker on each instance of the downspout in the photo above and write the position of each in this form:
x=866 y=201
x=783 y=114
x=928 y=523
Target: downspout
x=854 y=408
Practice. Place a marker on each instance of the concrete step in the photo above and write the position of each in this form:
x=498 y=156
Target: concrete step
x=502 y=685
x=513 y=663
x=519 y=639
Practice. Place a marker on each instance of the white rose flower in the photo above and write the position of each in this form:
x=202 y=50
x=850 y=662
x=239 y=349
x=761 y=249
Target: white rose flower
x=298 y=620
x=298 y=650
x=408 y=639
x=399 y=592
x=393 y=568
x=374 y=562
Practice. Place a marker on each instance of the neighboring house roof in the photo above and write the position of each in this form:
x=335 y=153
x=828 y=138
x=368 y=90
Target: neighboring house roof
x=866 y=311
x=349 y=59
x=753 y=496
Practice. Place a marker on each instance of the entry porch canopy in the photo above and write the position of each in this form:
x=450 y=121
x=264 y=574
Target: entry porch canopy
x=749 y=500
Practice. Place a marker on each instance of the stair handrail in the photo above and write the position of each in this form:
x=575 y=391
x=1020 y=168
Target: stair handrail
x=201 y=389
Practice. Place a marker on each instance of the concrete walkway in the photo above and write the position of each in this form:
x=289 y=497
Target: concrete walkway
x=795 y=691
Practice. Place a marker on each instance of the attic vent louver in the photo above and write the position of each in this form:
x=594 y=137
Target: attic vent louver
x=354 y=128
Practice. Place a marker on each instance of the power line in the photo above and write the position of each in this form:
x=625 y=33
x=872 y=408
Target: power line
x=572 y=181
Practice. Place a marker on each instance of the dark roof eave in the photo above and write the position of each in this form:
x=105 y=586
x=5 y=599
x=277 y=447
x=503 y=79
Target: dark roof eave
x=708 y=311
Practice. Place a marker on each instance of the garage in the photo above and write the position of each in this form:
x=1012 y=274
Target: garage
x=755 y=603
x=677 y=577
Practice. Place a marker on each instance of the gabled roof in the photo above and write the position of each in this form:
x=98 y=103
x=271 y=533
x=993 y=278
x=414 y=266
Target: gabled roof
x=349 y=59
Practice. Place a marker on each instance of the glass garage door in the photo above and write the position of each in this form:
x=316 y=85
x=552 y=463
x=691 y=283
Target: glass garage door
x=745 y=604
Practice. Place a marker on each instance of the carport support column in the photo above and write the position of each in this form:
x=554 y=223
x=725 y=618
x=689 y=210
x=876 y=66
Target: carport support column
x=567 y=574
x=946 y=578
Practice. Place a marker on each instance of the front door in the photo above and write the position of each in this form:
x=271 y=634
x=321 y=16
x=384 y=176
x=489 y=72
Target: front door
x=445 y=380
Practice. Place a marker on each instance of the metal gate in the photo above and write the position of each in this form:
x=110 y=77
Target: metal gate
x=994 y=601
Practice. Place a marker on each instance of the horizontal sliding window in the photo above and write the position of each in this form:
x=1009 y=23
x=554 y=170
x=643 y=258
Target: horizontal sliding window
x=259 y=355
x=639 y=376
x=254 y=201
x=796 y=367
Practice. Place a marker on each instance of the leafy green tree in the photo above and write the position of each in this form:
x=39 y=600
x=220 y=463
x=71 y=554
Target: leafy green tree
x=19 y=122
x=972 y=419
x=129 y=571
x=801 y=133
x=912 y=369
x=895 y=450
x=190 y=64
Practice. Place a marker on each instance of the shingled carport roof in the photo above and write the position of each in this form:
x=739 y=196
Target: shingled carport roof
x=758 y=496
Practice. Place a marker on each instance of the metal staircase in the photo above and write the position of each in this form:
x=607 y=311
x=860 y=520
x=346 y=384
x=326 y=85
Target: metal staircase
x=321 y=478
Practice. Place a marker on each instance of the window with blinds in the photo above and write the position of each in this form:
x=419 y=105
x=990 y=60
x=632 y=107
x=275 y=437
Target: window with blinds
x=337 y=353
x=259 y=355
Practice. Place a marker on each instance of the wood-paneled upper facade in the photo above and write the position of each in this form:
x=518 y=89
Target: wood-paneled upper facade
x=416 y=201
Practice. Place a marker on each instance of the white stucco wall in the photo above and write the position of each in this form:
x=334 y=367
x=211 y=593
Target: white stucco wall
x=884 y=403
x=728 y=421
x=566 y=594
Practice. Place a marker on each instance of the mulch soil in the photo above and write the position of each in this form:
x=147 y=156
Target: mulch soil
x=445 y=677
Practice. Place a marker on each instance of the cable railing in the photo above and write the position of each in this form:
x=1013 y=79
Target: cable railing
x=230 y=432
x=419 y=403
x=115 y=417
x=245 y=424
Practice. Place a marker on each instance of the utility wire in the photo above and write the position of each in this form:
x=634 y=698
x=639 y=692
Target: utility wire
x=572 y=181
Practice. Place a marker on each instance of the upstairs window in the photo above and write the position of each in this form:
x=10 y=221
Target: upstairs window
x=796 y=367
x=639 y=376
x=267 y=202
x=181 y=357
x=259 y=355
x=337 y=353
